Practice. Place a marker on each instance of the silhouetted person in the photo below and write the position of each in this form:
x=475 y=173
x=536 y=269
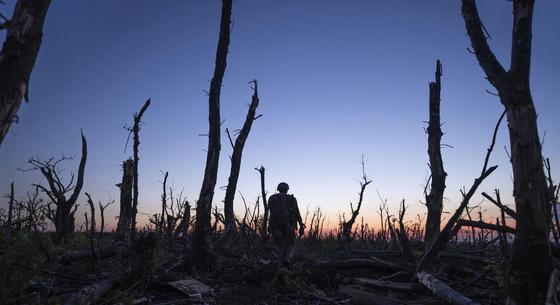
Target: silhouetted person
x=284 y=216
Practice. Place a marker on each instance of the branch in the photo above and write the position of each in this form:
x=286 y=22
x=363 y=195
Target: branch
x=486 y=59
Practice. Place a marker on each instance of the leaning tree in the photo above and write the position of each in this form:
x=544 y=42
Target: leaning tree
x=17 y=58
x=530 y=261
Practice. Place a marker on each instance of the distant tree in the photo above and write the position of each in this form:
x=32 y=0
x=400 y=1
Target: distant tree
x=530 y=261
x=62 y=215
x=347 y=225
x=434 y=200
x=238 y=146
x=17 y=58
x=264 y=230
x=202 y=230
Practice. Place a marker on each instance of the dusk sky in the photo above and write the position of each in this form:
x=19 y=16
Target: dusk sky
x=337 y=79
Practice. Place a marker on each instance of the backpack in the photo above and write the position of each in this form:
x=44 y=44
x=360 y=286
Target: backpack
x=282 y=209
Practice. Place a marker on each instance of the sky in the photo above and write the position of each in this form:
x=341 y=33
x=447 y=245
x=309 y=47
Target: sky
x=337 y=80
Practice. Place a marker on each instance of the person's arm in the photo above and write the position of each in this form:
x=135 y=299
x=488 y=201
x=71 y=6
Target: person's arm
x=298 y=215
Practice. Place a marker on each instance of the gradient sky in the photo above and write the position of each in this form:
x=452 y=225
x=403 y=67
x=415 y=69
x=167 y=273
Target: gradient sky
x=337 y=79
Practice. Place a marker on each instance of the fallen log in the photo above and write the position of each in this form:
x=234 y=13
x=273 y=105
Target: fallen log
x=117 y=248
x=90 y=294
x=484 y=225
x=442 y=291
x=371 y=262
x=385 y=284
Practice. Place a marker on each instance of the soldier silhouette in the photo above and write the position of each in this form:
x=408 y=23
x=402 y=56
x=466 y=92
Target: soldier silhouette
x=284 y=216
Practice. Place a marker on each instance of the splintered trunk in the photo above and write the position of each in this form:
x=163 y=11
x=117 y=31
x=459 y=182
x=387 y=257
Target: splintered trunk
x=202 y=230
x=229 y=217
x=125 y=186
x=136 y=132
x=530 y=260
x=434 y=200
x=17 y=58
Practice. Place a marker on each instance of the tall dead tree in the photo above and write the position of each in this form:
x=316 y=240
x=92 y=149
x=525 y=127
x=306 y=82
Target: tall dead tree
x=264 y=230
x=530 y=261
x=125 y=214
x=434 y=200
x=347 y=225
x=202 y=230
x=63 y=214
x=17 y=58
x=136 y=143
x=229 y=217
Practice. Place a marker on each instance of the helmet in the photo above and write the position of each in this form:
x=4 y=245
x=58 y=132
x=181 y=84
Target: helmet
x=283 y=187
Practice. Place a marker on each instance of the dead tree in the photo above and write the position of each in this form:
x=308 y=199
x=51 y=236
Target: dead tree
x=163 y=203
x=236 y=159
x=264 y=230
x=402 y=234
x=347 y=225
x=451 y=228
x=63 y=214
x=434 y=200
x=136 y=143
x=17 y=58
x=202 y=231
x=123 y=225
x=530 y=262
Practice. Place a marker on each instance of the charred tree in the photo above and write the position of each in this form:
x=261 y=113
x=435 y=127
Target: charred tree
x=264 y=230
x=347 y=225
x=202 y=228
x=434 y=200
x=229 y=217
x=123 y=226
x=18 y=55
x=136 y=143
x=63 y=214
x=530 y=261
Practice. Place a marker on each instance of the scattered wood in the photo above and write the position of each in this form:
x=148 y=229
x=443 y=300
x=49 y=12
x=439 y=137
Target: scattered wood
x=442 y=291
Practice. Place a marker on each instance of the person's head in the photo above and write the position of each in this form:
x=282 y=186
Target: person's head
x=283 y=187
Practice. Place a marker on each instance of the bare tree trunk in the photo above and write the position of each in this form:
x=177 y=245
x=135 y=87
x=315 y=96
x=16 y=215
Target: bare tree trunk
x=434 y=201
x=264 y=231
x=530 y=261
x=202 y=231
x=164 y=203
x=123 y=226
x=347 y=225
x=17 y=58
x=136 y=131
x=236 y=160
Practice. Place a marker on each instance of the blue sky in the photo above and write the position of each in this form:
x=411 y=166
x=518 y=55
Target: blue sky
x=337 y=79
